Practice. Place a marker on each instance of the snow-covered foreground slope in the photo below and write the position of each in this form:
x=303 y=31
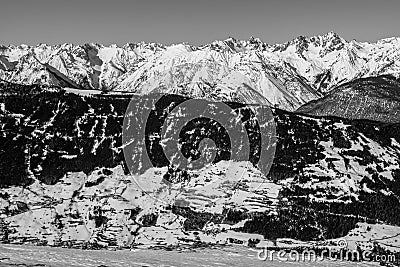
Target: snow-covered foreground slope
x=112 y=210
x=64 y=179
x=11 y=255
x=287 y=75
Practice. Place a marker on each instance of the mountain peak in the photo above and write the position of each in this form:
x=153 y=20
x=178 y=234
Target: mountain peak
x=332 y=34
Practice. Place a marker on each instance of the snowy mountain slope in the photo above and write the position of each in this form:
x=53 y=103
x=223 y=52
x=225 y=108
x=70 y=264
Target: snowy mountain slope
x=90 y=66
x=218 y=75
x=329 y=60
x=67 y=182
x=374 y=98
x=287 y=75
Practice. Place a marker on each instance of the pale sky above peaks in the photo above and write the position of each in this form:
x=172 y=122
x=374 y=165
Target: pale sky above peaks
x=196 y=22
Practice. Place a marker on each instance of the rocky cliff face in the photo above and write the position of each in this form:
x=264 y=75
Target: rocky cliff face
x=65 y=181
x=373 y=98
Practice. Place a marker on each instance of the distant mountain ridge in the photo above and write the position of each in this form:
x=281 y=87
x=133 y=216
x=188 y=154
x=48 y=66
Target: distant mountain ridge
x=373 y=98
x=284 y=75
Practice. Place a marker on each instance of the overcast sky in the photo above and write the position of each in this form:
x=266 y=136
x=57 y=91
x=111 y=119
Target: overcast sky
x=196 y=22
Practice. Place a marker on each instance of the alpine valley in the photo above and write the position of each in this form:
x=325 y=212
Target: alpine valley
x=335 y=174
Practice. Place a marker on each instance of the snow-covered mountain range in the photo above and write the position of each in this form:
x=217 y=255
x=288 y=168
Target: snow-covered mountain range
x=64 y=179
x=286 y=75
